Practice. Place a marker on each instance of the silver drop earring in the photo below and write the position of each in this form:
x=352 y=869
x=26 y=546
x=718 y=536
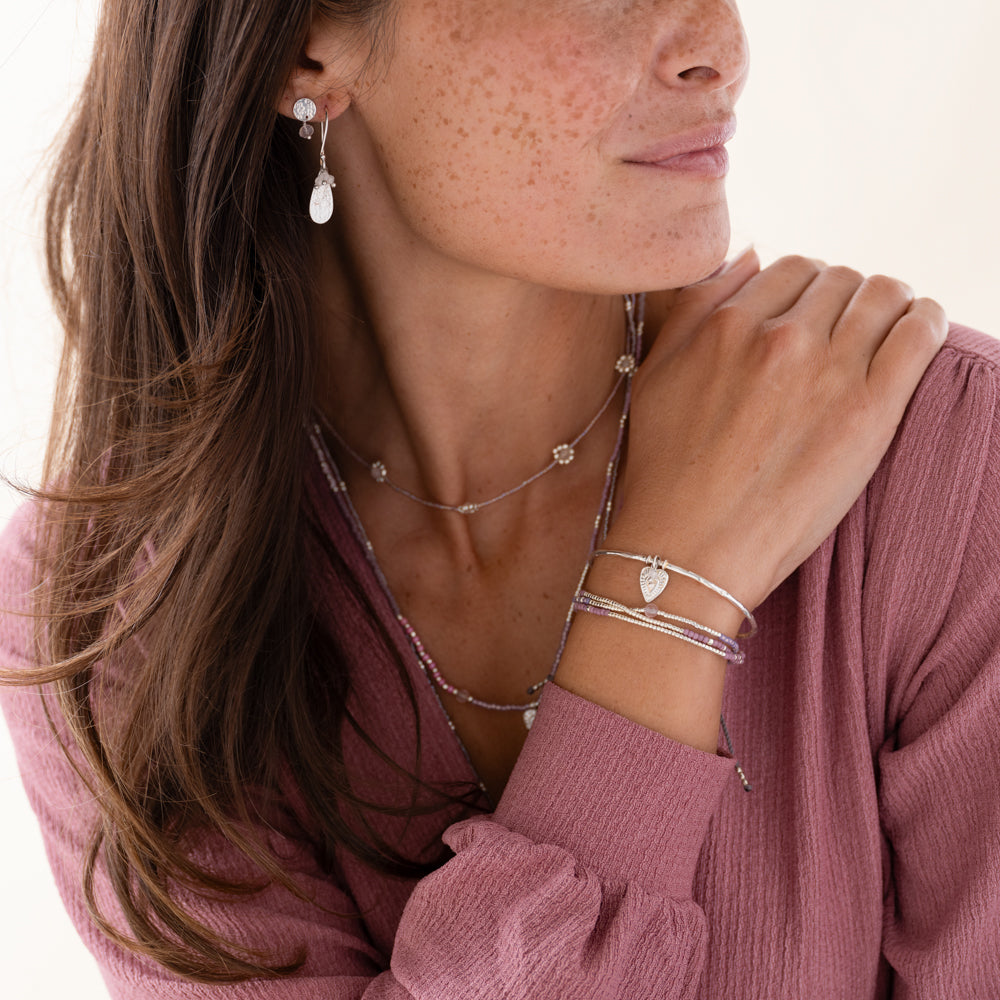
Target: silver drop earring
x=321 y=202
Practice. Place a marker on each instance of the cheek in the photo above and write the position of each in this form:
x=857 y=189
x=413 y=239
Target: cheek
x=499 y=144
x=473 y=126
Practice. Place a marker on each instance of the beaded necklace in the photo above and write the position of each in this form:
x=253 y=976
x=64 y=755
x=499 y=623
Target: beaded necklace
x=634 y=308
x=562 y=454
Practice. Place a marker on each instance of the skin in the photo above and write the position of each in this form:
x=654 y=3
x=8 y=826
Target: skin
x=490 y=215
x=483 y=167
x=501 y=134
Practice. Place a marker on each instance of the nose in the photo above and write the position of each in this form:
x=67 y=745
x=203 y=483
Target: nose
x=702 y=45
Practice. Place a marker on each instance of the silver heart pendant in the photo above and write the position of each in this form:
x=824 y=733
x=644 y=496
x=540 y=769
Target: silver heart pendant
x=652 y=582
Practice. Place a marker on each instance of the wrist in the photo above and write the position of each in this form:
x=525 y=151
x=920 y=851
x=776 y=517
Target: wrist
x=705 y=580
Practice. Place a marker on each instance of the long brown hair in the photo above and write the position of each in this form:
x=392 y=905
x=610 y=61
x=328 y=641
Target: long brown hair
x=173 y=511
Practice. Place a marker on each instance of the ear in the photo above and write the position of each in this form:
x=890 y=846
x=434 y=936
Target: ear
x=322 y=72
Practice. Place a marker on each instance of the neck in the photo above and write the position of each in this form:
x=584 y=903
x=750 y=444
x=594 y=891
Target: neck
x=462 y=387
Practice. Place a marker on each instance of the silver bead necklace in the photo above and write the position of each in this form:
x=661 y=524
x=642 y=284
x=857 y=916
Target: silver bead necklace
x=562 y=454
x=625 y=366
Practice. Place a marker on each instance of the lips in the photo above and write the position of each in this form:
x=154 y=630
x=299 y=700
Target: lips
x=709 y=137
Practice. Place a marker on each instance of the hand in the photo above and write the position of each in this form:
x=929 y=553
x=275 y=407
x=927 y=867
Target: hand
x=762 y=410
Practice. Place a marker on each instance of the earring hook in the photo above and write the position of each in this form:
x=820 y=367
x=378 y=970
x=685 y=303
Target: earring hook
x=322 y=137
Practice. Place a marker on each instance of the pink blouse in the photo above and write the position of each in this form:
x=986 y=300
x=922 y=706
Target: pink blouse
x=618 y=863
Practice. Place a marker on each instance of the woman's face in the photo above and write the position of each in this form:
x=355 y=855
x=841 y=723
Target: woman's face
x=529 y=137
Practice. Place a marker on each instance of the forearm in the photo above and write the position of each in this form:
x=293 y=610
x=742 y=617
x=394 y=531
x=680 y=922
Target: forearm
x=657 y=680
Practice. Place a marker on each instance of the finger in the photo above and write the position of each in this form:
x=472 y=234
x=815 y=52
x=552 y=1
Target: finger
x=757 y=294
x=875 y=308
x=905 y=353
x=776 y=289
x=825 y=300
x=739 y=260
x=703 y=297
x=693 y=304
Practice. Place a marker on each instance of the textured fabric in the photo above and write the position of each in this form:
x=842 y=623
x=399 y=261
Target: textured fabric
x=618 y=863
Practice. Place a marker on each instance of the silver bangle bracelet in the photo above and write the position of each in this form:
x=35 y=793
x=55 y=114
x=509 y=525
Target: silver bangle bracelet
x=654 y=577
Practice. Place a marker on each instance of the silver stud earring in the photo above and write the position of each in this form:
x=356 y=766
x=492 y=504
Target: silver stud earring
x=304 y=109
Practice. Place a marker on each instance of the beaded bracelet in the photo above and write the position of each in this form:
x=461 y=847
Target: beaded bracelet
x=653 y=578
x=715 y=641
x=710 y=640
x=637 y=617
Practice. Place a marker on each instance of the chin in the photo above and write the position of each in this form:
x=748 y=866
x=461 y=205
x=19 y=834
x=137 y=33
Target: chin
x=684 y=249
x=697 y=258
x=684 y=266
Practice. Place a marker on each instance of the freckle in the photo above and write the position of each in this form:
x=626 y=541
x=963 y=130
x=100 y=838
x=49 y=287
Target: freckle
x=496 y=129
x=591 y=216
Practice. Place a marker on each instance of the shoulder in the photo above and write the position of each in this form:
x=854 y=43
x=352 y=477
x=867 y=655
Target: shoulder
x=931 y=516
x=21 y=704
x=946 y=447
x=17 y=552
x=978 y=347
x=968 y=360
x=17 y=538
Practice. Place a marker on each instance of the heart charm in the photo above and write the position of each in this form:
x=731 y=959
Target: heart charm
x=652 y=581
x=529 y=717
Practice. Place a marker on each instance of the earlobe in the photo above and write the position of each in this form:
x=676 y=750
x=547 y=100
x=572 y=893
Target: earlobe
x=318 y=80
x=328 y=102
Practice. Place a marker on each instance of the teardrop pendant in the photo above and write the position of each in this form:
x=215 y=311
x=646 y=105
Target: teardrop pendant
x=321 y=202
x=529 y=717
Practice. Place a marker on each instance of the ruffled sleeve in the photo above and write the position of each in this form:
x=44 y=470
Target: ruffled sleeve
x=578 y=886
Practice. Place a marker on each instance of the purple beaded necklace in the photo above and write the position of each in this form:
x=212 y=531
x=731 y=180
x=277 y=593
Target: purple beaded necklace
x=634 y=309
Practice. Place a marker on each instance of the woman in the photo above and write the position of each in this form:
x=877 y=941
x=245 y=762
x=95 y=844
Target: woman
x=336 y=504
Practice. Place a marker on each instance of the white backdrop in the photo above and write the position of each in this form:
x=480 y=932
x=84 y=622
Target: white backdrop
x=867 y=137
